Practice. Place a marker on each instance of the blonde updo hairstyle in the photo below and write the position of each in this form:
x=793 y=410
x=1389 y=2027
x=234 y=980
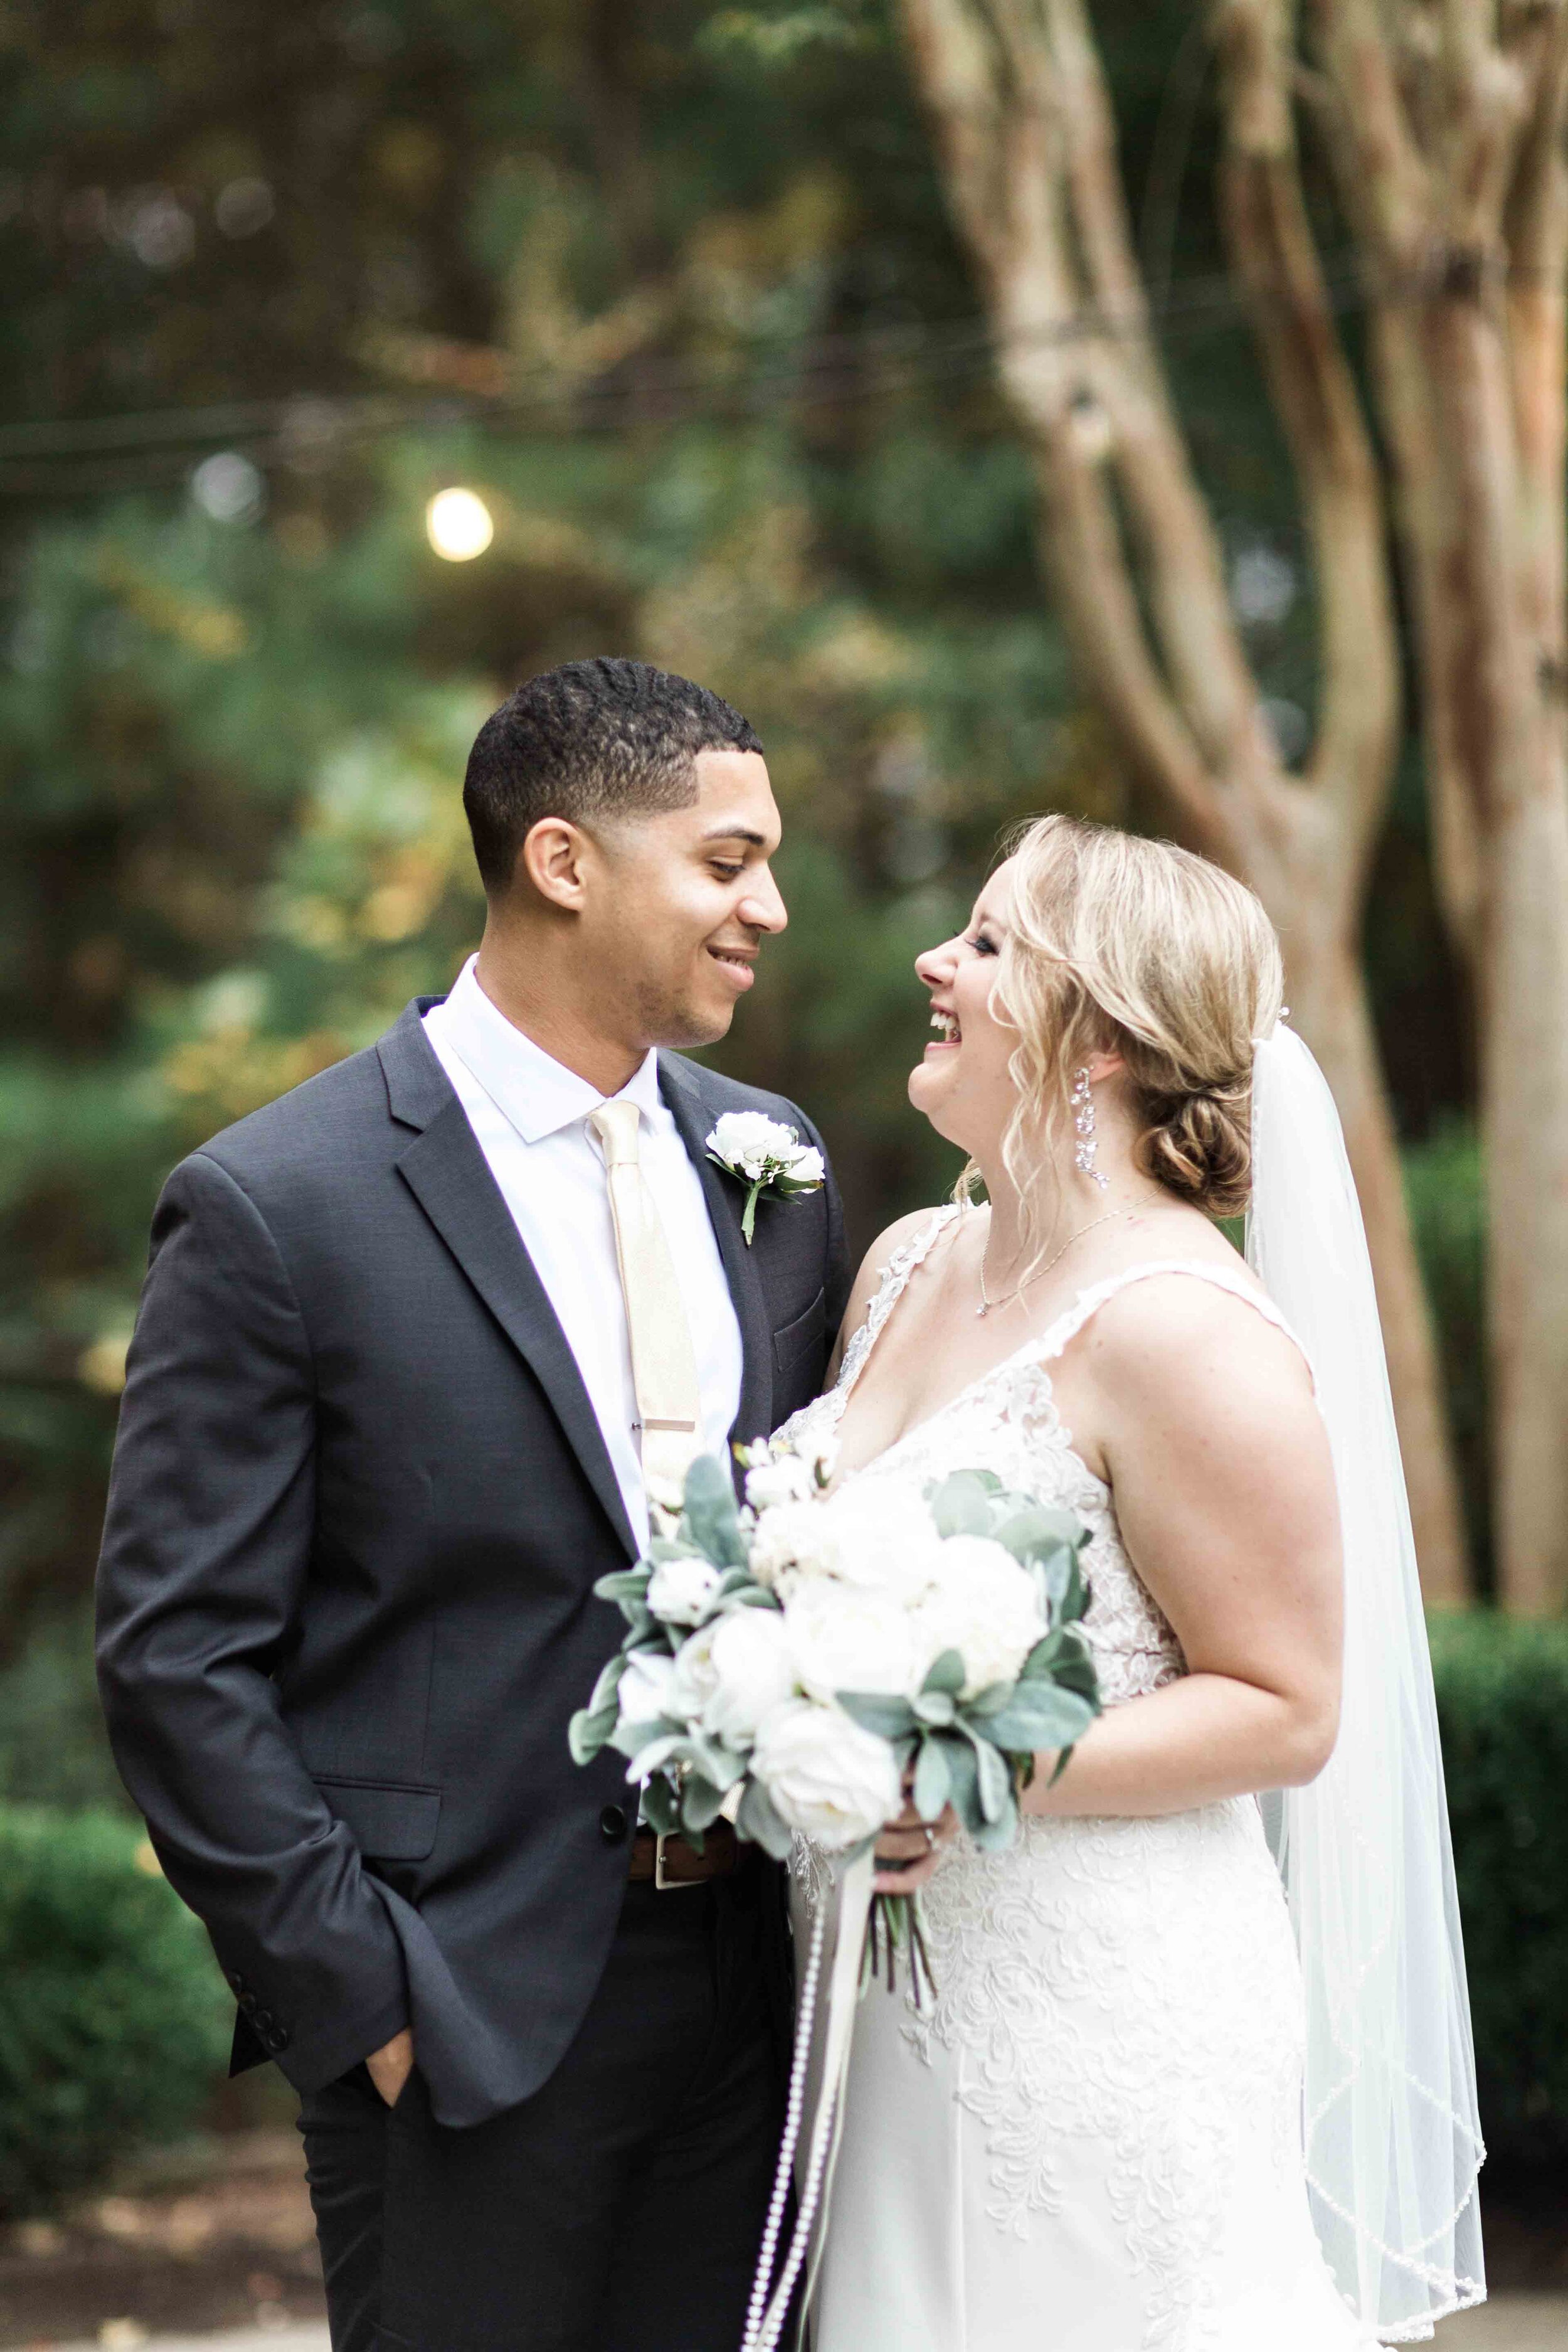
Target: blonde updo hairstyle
x=1117 y=944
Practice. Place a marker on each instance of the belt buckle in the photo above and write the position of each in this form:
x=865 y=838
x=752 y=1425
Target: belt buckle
x=668 y=1886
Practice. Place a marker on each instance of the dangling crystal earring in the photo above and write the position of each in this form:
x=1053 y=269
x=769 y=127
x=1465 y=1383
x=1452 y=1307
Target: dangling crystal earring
x=1083 y=1120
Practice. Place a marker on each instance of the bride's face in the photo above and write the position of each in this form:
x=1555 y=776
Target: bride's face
x=962 y=1084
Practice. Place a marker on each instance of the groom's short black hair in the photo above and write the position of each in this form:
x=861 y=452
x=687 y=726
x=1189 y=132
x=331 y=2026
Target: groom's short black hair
x=593 y=738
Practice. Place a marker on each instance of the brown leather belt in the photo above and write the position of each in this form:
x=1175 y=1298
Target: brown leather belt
x=670 y=1862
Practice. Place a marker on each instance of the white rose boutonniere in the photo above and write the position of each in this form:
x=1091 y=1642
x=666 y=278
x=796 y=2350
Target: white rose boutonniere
x=769 y=1158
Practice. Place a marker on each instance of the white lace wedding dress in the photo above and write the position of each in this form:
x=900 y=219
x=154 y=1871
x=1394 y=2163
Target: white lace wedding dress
x=1093 y=2140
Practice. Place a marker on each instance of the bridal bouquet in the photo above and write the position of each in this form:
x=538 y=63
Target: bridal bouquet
x=799 y=1662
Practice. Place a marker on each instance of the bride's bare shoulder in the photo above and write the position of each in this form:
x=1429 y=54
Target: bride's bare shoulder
x=1175 y=1343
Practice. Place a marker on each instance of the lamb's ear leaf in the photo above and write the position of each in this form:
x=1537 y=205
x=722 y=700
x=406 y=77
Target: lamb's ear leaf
x=989 y=1701
x=937 y=1708
x=609 y=1682
x=700 y=1804
x=962 y=1504
x=933 y=1779
x=661 y=1804
x=946 y=1674
x=712 y=1518
x=624 y=1584
x=964 y=1778
x=589 y=1730
x=714 y=1761
x=760 y=1821
x=1075 y=1596
x=995 y=1781
x=1074 y=1667
x=888 y=1717
x=995 y=1836
x=1038 y=1530
x=649 y=1744
x=1040 y=1715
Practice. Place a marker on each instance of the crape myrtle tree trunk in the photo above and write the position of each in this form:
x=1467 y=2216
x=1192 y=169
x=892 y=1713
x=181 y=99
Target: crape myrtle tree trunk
x=1019 y=102
x=1445 y=128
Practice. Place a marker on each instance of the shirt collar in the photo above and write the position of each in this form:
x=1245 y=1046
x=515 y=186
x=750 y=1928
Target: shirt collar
x=535 y=1093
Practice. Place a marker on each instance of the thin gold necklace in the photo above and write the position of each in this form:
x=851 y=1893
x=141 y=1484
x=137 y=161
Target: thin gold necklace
x=986 y=1304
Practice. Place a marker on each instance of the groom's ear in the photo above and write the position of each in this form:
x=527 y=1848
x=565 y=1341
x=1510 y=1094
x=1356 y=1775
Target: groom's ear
x=553 y=858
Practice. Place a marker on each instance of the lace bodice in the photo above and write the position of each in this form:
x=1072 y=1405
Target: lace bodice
x=1007 y=1420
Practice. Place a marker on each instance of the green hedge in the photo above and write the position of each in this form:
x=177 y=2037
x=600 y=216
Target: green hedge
x=1502 y=1700
x=114 y=2021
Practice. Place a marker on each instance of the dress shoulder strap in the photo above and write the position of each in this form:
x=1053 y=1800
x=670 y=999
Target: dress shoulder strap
x=1069 y=1325
x=890 y=1289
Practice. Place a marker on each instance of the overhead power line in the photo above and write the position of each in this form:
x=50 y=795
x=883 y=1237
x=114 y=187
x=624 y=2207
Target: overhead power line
x=99 y=456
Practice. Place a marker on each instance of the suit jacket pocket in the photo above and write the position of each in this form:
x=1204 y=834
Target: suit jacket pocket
x=394 y=1821
x=798 y=1338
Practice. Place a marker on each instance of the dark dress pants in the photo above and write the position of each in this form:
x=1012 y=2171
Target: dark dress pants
x=621 y=2208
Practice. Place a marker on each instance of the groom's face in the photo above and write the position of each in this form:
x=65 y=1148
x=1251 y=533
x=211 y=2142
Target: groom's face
x=681 y=902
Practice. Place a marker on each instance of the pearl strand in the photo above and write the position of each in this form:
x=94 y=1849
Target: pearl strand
x=804 y=2220
x=753 y=2340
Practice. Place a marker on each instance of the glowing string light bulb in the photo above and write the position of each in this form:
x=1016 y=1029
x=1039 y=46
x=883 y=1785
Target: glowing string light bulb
x=458 y=525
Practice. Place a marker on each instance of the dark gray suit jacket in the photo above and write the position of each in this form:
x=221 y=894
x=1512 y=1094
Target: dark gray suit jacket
x=359 y=1502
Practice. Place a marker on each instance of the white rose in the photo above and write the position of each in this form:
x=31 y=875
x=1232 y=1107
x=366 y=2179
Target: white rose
x=884 y=1539
x=693 y=1681
x=985 y=1606
x=752 y=1672
x=792 y=1540
x=804 y=1166
x=751 y=1143
x=681 y=1591
x=782 y=1478
x=646 y=1690
x=845 y=1638
x=826 y=1777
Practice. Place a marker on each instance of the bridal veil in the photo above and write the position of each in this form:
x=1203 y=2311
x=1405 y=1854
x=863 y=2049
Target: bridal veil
x=1393 y=2134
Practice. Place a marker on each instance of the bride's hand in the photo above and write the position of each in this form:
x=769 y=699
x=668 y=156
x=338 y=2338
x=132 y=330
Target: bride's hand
x=908 y=1851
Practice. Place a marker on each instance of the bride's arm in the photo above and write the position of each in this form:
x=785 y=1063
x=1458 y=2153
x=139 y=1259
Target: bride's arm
x=1201 y=1414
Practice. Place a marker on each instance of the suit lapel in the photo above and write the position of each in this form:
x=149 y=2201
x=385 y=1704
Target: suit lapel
x=682 y=1088
x=447 y=1173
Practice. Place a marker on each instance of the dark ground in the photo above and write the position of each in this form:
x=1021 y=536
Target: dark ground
x=219 y=2235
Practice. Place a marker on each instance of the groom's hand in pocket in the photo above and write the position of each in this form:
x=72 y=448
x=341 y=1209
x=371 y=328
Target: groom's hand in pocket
x=390 y=2067
x=908 y=1850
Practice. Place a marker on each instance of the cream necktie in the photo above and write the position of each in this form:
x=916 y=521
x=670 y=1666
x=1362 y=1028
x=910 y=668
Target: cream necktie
x=664 y=1364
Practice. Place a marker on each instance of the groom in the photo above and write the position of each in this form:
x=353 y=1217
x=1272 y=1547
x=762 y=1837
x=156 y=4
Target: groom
x=381 y=1432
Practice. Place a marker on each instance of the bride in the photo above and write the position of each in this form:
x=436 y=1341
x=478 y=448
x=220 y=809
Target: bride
x=1093 y=2139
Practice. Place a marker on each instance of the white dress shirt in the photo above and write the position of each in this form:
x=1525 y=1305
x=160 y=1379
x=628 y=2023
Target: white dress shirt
x=529 y=1114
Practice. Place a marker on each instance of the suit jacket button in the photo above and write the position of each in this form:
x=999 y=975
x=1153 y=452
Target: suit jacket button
x=248 y=2003
x=613 y=1824
x=277 y=2037
x=263 y=2021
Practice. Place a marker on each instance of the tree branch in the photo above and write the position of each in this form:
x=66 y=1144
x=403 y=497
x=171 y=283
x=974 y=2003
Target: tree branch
x=1188 y=600
x=999 y=123
x=1383 y=175
x=1264 y=215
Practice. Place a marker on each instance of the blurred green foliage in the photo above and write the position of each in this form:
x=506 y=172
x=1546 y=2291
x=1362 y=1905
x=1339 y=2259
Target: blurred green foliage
x=735 y=418
x=1502 y=1702
x=114 y=2021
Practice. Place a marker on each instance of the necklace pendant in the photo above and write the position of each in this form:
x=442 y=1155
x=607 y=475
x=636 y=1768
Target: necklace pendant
x=985 y=1309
